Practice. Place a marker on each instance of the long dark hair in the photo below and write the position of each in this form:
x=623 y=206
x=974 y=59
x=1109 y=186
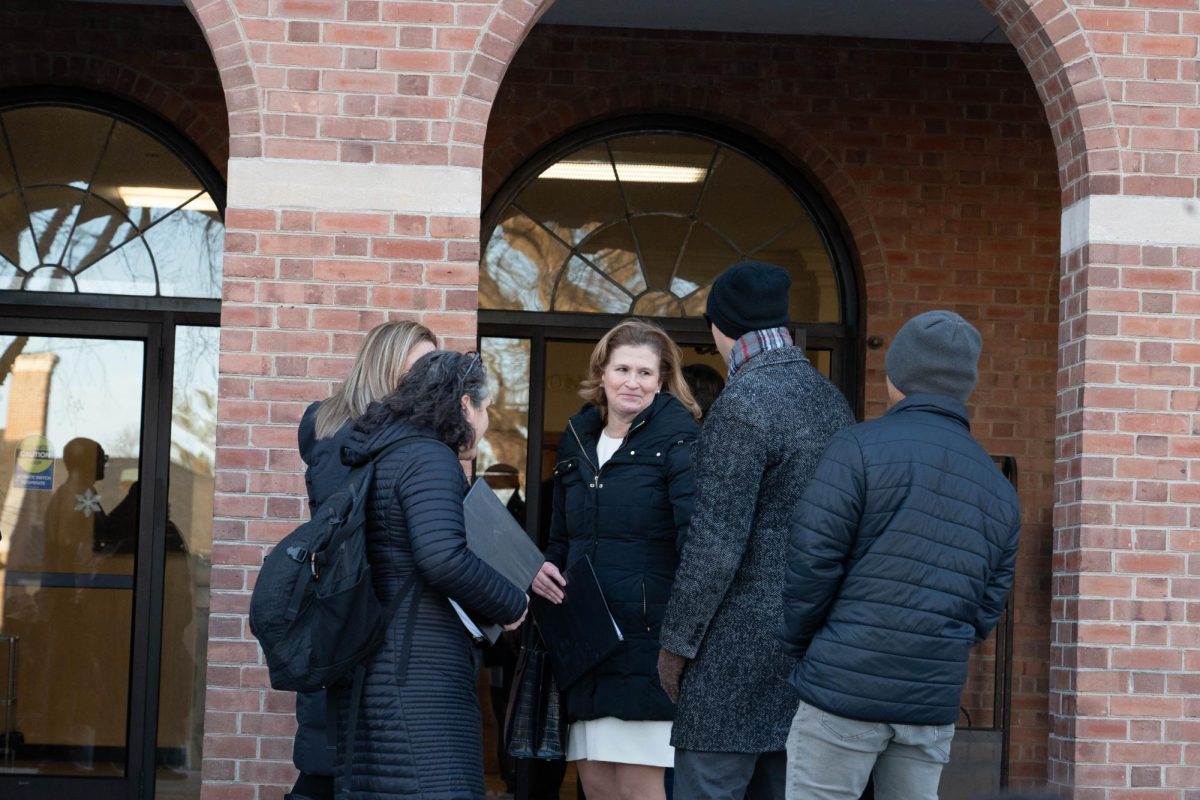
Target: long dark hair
x=429 y=395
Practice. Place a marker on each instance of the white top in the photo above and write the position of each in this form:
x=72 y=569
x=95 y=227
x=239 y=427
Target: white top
x=606 y=447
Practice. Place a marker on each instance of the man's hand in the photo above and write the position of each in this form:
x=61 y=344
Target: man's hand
x=670 y=672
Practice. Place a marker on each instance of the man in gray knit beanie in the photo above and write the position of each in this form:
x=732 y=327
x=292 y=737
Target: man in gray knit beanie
x=935 y=353
x=900 y=558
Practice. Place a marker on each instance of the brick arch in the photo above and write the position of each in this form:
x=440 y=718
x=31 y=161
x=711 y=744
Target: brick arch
x=1046 y=34
x=115 y=78
x=1061 y=61
x=743 y=114
x=222 y=29
x=498 y=42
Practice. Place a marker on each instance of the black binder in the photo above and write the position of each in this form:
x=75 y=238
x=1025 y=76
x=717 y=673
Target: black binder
x=580 y=632
x=497 y=539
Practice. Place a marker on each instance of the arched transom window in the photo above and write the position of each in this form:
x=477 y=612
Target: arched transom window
x=642 y=222
x=90 y=203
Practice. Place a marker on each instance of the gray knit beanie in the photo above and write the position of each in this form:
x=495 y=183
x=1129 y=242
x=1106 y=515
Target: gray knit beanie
x=935 y=353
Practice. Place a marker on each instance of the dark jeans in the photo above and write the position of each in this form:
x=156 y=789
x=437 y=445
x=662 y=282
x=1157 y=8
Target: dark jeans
x=702 y=775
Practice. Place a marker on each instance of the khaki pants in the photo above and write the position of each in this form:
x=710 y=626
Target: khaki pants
x=831 y=757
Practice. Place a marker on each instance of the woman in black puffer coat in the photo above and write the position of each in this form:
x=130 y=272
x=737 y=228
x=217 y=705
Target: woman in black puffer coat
x=418 y=733
x=387 y=352
x=623 y=497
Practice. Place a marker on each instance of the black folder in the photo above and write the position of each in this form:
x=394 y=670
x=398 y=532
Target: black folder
x=580 y=632
x=495 y=537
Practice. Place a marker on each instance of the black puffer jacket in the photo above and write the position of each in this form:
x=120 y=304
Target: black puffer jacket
x=901 y=558
x=324 y=473
x=630 y=518
x=418 y=734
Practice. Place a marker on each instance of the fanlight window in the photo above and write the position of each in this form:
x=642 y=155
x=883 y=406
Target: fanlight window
x=642 y=223
x=90 y=203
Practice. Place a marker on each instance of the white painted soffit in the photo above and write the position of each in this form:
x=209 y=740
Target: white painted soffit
x=337 y=186
x=935 y=20
x=1120 y=219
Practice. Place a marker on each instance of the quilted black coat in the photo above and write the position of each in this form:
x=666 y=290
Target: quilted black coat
x=418 y=734
x=900 y=559
x=629 y=517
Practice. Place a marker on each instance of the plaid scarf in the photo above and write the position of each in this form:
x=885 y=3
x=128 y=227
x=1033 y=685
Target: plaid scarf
x=755 y=342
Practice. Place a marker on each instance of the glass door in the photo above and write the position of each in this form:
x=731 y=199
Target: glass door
x=76 y=416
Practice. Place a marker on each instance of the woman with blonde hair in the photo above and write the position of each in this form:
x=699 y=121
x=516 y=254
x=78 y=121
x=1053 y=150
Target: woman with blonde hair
x=385 y=356
x=623 y=497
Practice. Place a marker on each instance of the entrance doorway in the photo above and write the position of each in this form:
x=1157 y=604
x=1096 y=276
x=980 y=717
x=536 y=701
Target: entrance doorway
x=110 y=269
x=634 y=217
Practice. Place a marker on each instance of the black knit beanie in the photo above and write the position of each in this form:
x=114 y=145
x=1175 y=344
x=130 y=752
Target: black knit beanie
x=935 y=353
x=749 y=296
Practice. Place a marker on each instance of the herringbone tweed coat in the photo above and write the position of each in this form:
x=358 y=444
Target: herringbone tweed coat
x=760 y=443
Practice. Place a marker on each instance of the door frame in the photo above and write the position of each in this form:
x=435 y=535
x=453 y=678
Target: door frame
x=151 y=321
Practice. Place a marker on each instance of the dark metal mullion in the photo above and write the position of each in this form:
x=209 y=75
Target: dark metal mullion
x=573 y=252
x=146 y=665
x=20 y=190
x=692 y=218
x=535 y=425
x=770 y=240
x=88 y=192
x=637 y=245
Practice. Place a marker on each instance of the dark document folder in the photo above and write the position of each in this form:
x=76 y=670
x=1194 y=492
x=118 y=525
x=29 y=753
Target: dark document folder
x=499 y=540
x=580 y=632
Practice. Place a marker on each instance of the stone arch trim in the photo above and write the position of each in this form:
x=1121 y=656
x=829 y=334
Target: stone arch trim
x=222 y=29
x=118 y=79
x=805 y=152
x=1060 y=59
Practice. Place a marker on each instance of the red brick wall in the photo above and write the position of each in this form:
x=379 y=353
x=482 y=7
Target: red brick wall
x=106 y=48
x=939 y=159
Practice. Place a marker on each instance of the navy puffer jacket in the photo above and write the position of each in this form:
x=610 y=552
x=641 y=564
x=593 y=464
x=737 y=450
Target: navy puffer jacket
x=324 y=473
x=418 y=735
x=630 y=518
x=901 y=558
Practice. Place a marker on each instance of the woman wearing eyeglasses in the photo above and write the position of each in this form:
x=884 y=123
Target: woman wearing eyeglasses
x=418 y=733
x=623 y=497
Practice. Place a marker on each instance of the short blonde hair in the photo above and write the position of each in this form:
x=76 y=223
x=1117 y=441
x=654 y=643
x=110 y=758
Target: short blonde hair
x=638 y=333
x=376 y=373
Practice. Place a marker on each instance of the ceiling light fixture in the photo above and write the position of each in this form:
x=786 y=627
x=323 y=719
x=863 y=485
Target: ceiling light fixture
x=629 y=172
x=162 y=197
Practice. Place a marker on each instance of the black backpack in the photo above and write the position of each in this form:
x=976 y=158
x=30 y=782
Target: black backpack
x=314 y=609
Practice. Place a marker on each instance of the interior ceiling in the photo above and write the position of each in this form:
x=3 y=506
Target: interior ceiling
x=937 y=20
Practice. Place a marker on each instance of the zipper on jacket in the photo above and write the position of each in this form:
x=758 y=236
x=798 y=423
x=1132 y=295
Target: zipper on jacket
x=597 y=472
x=645 y=613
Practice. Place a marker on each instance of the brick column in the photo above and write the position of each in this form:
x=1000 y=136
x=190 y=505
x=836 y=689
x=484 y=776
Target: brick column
x=354 y=197
x=1125 y=688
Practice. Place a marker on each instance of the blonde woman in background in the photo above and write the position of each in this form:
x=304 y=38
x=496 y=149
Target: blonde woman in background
x=386 y=355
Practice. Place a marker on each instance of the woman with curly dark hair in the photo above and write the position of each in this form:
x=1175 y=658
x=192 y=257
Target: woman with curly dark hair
x=418 y=732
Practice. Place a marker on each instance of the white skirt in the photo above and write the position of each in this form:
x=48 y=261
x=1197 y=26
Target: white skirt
x=645 y=742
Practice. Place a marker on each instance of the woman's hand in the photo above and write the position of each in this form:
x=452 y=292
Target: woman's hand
x=549 y=583
x=512 y=626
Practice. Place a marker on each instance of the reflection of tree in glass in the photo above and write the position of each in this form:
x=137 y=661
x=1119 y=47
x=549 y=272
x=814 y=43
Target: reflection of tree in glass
x=194 y=415
x=507 y=362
